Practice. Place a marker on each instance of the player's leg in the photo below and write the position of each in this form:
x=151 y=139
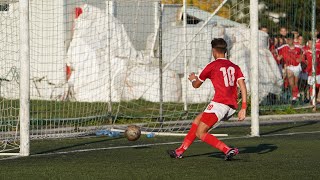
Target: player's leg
x=296 y=74
x=207 y=121
x=317 y=93
x=310 y=83
x=296 y=85
x=188 y=140
x=303 y=86
x=190 y=137
x=290 y=77
x=317 y=89
x=294 y=89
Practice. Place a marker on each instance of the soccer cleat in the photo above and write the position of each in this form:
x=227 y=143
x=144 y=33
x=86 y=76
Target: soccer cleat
x=232 y=152
x=173 y=154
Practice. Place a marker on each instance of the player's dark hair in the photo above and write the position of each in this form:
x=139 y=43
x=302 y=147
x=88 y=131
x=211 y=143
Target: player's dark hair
x=219 y=44
x=318 y=35
x=308 y=37
x=290 y=35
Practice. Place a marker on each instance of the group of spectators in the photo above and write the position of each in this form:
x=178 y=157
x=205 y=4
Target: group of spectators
x=293 y=55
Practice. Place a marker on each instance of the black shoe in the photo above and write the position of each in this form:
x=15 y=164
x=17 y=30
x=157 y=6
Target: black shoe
x=293 y=102
x=232 y=152
x=173 y=154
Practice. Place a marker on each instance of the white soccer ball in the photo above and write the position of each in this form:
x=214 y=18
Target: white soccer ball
x=132 y=133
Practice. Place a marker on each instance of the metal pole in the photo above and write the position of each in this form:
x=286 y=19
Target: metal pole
x=160 y=66
x=24 y=78
x=313 y=27
x=185 y=56
x=111 y=12
x=254 y=67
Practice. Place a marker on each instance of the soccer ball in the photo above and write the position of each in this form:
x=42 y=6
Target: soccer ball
x=132 y=133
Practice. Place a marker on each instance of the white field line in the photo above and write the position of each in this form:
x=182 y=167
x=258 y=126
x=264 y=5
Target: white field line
x=155 y=144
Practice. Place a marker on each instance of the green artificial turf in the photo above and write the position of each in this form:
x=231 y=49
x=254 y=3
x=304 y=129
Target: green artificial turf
x=274 y=155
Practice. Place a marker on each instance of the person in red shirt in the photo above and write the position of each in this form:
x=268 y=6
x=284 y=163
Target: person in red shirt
x=292 y=56
x=273 y=44
x=296 y=37
x=318 y=41
x=311 y=80
x=301 y=41
x=225 y=76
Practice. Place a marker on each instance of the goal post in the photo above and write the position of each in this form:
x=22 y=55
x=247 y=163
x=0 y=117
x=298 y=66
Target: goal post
x=254 y=61
x=24 y=78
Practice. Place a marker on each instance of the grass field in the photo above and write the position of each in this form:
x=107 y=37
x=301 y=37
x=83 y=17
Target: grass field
x=277 y=154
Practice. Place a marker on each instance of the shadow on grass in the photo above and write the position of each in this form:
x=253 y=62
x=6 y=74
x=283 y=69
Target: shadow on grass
x=76 y=145
x=243 y=151
x=291 y=127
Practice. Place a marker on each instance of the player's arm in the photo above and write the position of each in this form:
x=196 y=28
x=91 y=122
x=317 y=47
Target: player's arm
x=279 y=54
x=300 y=56
x=196 y=83
x=243 y=89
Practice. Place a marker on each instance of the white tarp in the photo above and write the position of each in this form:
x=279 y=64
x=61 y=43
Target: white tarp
x=143 y=81
x=132 y=75
x=135 y=77
x=198 y=49
x=203 y=94
x=270 y=79
x=105 y=63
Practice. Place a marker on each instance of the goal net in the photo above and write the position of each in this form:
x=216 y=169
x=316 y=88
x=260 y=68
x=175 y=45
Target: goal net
x=98 y=65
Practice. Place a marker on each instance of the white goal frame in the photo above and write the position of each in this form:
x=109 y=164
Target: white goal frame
x=24 y=79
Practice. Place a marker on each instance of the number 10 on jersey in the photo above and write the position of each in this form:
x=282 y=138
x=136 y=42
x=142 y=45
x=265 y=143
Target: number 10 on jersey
x=228 y=75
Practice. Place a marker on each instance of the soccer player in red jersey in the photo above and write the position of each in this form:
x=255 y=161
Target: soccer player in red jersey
x=296 y=37
x=318 y=41
x=292 y=56
x=308 y=57
x=225 y=76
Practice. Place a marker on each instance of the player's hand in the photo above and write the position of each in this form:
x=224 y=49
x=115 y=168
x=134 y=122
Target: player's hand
x=242 y=114
x=192 y=76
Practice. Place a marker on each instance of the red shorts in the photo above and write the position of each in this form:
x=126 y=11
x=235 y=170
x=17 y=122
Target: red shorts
x=209 y=118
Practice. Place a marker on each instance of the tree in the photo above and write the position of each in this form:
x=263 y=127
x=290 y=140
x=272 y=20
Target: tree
x=206 y=5
x=293 y=14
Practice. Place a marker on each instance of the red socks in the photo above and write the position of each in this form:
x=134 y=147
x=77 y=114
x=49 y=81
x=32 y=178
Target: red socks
x=295 y=92
x=207 y=138
x=214 y=142
x=188 y=140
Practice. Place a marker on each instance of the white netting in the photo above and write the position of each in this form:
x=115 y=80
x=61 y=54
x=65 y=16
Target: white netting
x=9 y=77
x=96 y=64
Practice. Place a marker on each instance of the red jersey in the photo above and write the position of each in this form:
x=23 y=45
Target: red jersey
x=318 y=44
x=290 y=56
x=297 y=43
x=273 y=51
x=224 y=76
x=308 y=57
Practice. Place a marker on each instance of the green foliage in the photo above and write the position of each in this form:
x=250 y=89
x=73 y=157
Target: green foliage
x=297 y=13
